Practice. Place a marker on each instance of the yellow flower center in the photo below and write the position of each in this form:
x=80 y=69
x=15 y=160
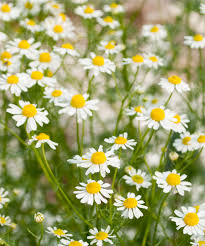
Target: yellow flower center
x=29 y=110
x=24 y=44
x=201 y=243
x=75 y=243
x=98 y=158
x=55 y=6
x=178 y=118
x=5 y=55
x=153 y=58
x=101 y=235
x=157 y=114
x=138 y=59
x=154 y=29
x=198 y=37
x=88 y=10
x=49 y=73
x=120 y=140
x=138 y=179
x=98 y=61
x=43 y=136
x=154 y=101
x=130 y=203
x=57 y=93
x=59 y=232
x=110 y=45
x=37 y=75
x=13 y=79
x=108 y=19
x=67 y=46
x=173 y=179
x=191 y=219
x=174 y=80
x=2 y=220
x=5 y=8
x=197 y=208
x=28 y=5
x=93 y=187
x=186 y=140
x=113 y=5
x=201 y=139
x=45 y=57
x=78 y=101
x=31 y=23
x=63 y=16
x=58 y=29
x=138 y=109
x=6 y=63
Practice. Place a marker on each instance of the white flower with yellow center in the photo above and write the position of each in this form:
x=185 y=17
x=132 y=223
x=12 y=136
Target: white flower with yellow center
x=15 y=83
x=42 y=138
x=55 y=94
x=184 y=143
x=130 y=206
x=202 y=8
x=71 y=242
x=78 y=104
x=3 y=197
x=137 y=178
x=172 y=181
x=114 y=8
x=66 y=49
x=29 y=7
x=108 y=21
x=45 y=60
x=134 y=111
x=3 y=37
x=53 y=7
x=199 y=140
x=28 y=113
x=5 y=220
x=195 y=42
x=97 y=161
x=198 y=240
x=110 y=47
x=23 y=47
x=179 y=123
x=97 y=64
x=193 y=223
x=137 y=60
x=154 y=32
x=31 y=25
x=101 y=236
x=39 y=217
x=121 y=142
x=88 y=12
x=8 y=62
x=93 y=191
x=174 y=82
x=8 y=11
x=58 y=232
x=154 y=61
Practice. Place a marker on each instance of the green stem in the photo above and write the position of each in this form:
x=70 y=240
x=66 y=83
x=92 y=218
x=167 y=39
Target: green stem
x=166 y=103
x=42 y=234
x=78 y=135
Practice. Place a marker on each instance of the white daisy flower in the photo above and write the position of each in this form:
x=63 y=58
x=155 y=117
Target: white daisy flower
x=199 y=140
x=78 y=104
x=114 y=8
x=31 y=25
x=3 y=197
x=53 y=7
x=154 y=32
x=110 y=47
x=195 y=42
x=28 y=113
x=55 y=94
x=179 y=123
x=88 y=12
x=45 y=60
x=23 y=47
x=66 y=49
x=97 y=161
x=202 y=8
x=8 y=11
x=15 y=83
x=172 y=181
x=71 y=242
x=174 y=82
x=137 y=178
x=134 y=110
x=58 y=232
x=41 y=139
x=184 y=143
x=8 y=62
x=153 y=61
x=5 y=220
x=130 y=205
x=198 y=240
x=121 y=142
x=98 y=64
x=93 y=191
x=136 y=61
x=108 y=21
x=29 y=7
x=193 y=223
x=100 y=236
x=200 y=208
x=3 y=37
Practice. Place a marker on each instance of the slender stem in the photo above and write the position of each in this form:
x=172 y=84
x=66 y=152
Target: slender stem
x=78 y=135
x=42 y=234
x=166 y=103
x=192 y=160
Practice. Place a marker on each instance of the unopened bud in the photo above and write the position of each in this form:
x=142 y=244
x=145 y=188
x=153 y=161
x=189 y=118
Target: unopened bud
x=173 y=156
x=39 y=217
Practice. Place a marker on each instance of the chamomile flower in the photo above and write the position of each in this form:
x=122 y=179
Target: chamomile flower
x=137 y=60
x=193 y=223
x=58 y=232
x=15 y=83
x=137 y=178
x=154 y=32
x=55 y=94
x=153 y=61
x=198 y=240
x=42 y=138
x=100 y=236
x=199 y=140
x=202 y=8
x=174 y=82
x=110 y=47
x=3 y=197
x=29 y=7
x=5 y=220
x=8 y=62
x=98 y=64
x=195 y=42
x=66 y=49
x=31 y=25
x=78 y=104
x=28 y=113
x=184 y=143
x=3 y=37
x=45 y=60
x=88 y=12
x=71 y=242
x=114 y=8
x=130 y=206
x=121 y=142
x=179 y=123
x=108 y=21
x=97 y=161
x=8 y=11
x=23 y=47
x=93 y=191
x=53 y=7
x=134 y=111
x=172 y=181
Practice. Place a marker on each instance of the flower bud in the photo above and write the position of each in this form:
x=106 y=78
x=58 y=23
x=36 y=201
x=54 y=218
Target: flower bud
x=39 y=217
x=173 y=156
x=129 y=169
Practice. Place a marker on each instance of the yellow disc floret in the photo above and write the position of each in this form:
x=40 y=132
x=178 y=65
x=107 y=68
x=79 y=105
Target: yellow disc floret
x=59 y=232
x=93 y=187
x=98 y=158
x=191 y=219
x=153 y=58
x=42 y=136
x=177 y=119
x=108 y=19
x=120 y=140
x=113 y=5
x=24 y=44
x=154 y=29
x=31 y=23
x=138 y=58
x=138 y=109
x=2 y=220
x=173 y=179
x=12 y=79
x=198 y=37
x=174 y=80
x=67 y=46
x=5 y=8
x=37 y=75
x=98 y=61
x=57 y=93
x=186 y=140
x=157 y=114
x=110 y=45
x=58 y=29
x=138 y=179
x=5 y=55
x=29 y=110
x=201 y=139
x=75 y=243
x=45 y=57
x=78 y=101
x=28 y=5
x=101 y=235
x=88 y=10
x=130 y=203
